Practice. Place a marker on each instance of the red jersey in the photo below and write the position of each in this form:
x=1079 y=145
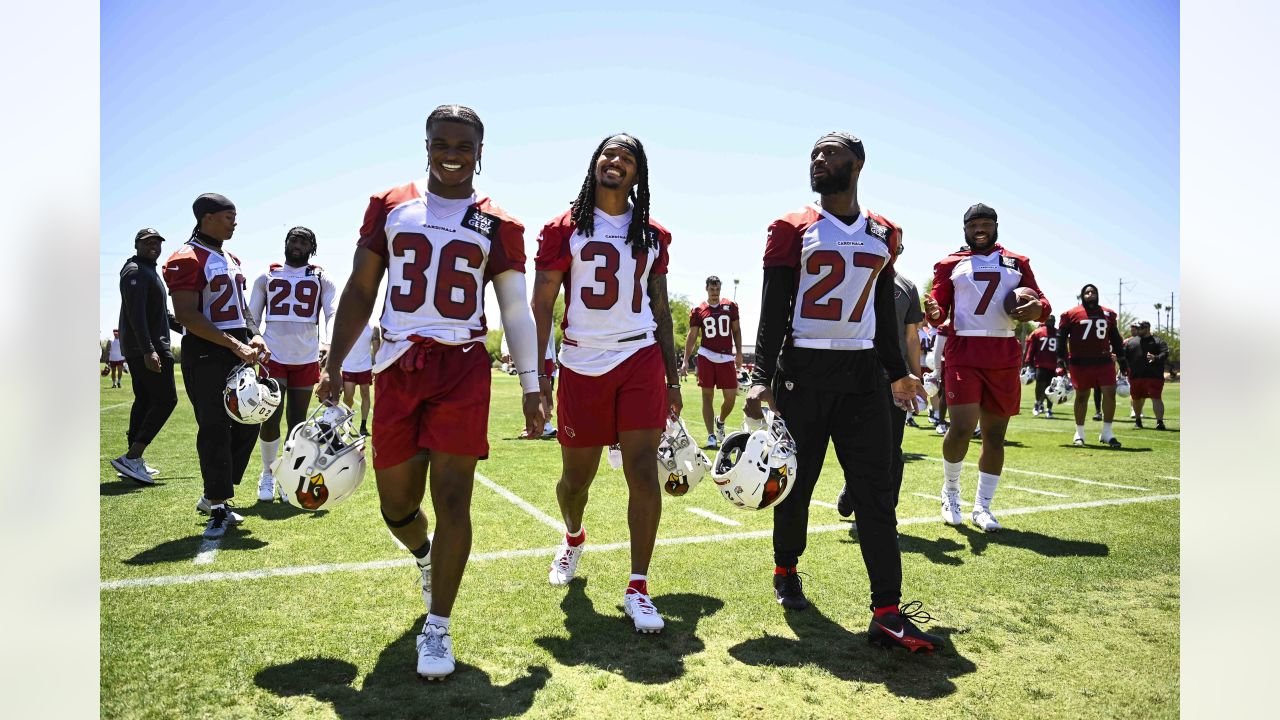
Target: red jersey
x=216 y=276
x=716 y=322
x=1090 y=335
x=970 y=288
x=1042 y=349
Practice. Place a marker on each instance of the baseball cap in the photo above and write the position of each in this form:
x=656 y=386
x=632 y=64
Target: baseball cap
x=979 y=210
x=145 y=233
x=1145 y=324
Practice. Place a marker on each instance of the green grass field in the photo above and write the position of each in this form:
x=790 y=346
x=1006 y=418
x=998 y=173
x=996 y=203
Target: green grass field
x=1072 y=611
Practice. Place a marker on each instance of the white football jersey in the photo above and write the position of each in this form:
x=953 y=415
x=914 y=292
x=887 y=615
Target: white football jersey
x=607 y=315
x=361 y=356
x=287 y=302
x=114 y=353
x=216 y=276
x=439 y=254
x=980 y=284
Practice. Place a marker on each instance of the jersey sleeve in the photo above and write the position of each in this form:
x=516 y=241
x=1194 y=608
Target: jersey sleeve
x=695 y=317
x=258 y=299
x=508 y=252
x=782 y=248
x=183 y=272
x=664 y=257
x=553 y=247
x=373 y=231
x=733 y=311
x=1029 y=281
x=943 y=291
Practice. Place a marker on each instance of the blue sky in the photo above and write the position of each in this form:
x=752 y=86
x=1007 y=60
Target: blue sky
x=1064 y=117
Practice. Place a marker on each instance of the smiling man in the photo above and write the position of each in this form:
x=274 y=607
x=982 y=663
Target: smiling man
x=438 y=243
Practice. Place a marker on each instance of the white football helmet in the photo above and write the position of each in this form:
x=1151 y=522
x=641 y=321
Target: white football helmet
x=1028 y=375
x=1059 y=390
x=744 y=381
x=322 y=462
x=681 y=463
x=1122 y=386
x=931 y=383
x=248 y=398
x=756 y=470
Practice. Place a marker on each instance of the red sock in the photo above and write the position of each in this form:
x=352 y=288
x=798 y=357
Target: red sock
x=779 y=570
x=879 y=612
x=576 y=541
x=640 y=586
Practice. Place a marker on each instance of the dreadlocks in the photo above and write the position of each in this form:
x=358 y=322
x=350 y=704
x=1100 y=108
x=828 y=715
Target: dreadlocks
x=584 y=207
x=456 y=113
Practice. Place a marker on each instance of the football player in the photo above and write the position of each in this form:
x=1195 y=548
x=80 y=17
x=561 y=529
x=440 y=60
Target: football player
x=1042 y=357
x=357 y=371
x=1087 y=337
x=438 y=243
x=208 y=290
x=1146 y=355
x=982 y=355
x=827 y=346
x=115 y=359
x=617 y=350
x=719 y=356
x=286 y=302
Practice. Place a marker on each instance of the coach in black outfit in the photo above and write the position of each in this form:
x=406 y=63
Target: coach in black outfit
x=145 y=322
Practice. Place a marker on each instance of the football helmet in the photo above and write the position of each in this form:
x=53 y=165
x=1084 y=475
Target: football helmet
x=322 y=462
x=932 y=383
x=249 y=398
x=1028 y=375
x=1122 y=386
x=1059 y=390
x=681 y=463
x=744 y=381
x=756 y=470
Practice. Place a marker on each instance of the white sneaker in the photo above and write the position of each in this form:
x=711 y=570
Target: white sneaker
x=426 y=582
x=435 y=653
x=150 y=470
x=134 y=469
x=940 y=428
x=615 y=456
x=951 y=509
x=639 y=607
x=983 y=518
x=565 y=564
x=266 y=487
x=233 y=517
x=719 y=430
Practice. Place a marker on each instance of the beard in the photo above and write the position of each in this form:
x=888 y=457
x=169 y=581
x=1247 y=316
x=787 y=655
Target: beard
x=296 y=259
x=837 y=180
x=995 y=235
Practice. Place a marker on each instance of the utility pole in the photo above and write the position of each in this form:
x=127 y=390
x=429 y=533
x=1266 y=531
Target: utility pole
x=735 y=289
x=1119 y=297
x=1170 y=323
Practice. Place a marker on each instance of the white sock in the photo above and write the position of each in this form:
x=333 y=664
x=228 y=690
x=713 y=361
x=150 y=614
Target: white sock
x=951 y=476
x=1106 y=431
x=269 y=450
x=986 y=489
x=433 y=619
x=1080 y=431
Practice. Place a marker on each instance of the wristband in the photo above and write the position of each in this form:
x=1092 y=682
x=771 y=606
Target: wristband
x=673 y=386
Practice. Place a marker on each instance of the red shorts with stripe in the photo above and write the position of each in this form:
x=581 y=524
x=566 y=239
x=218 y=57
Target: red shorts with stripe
x=1087 y=377
x=295 y=376
x=998 y=391
x=1146 y=388
x=632 y=396
x=441 y=404
x=716 y=375
x=115 y=363
x=364 y=377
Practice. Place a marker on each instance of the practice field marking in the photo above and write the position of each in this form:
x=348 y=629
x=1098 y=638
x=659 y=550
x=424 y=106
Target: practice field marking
x=550 y=551
x=1065 y=431
x=1037 y=492
x=113 y=407
x=712 y=516
x=1055 y=477
x=820 y=503
x=934 y=497
x=1166 y=477
x=208 y=550
x=519 y=502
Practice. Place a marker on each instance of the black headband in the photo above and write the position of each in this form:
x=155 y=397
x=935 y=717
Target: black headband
x=625 y=141
x=211 y=203
x=302 y=232
x=845 y=139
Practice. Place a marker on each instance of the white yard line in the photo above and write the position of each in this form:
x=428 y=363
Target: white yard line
x=113 y=407
x=1166 y=477
x=550 y=551
x=819 y=503
x=1033 y=490
x=712 y=516
x=1055 y=477
x=208 y=550
x=519 y=502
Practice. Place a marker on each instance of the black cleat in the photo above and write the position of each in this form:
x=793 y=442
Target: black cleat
x=1114 y=443
x=1137 y=424
x=1160 y=425
x=1097 y=417
x=787 y=589
x=896 y=630
x=844 y=502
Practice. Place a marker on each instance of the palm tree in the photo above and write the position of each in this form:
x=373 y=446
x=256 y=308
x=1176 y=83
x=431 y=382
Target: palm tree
x=1158 y=308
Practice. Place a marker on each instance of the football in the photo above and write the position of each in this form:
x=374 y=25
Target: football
x=1016 y=297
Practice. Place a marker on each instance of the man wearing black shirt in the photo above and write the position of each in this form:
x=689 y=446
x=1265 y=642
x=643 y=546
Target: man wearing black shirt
x=145 y=322
x=826 y=347
x=1146 y=354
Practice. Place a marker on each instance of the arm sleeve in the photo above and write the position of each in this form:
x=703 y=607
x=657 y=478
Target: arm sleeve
x=517 y=321
x=258 y=299
x=888 y=340
x=776 y=300
x=133 y=295
x=943 y=292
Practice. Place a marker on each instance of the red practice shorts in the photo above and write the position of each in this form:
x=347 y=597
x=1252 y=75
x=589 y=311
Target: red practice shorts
x=717 y=375
x=295 y=376
x=549 y=369
x=364 y=377
x=1144 y=388
x=998 y=391
x=116 y=363
x=442 y=405
x=632 y=396
x=1087 y=377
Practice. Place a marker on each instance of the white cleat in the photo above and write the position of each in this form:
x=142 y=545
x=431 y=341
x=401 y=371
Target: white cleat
x=951 y=509
x=266 y=487
x=435 y=653
x=615 y=457
x=983 y=518
x=426 y=583
x=565 y=565
x=719 y=430
x=640 y=609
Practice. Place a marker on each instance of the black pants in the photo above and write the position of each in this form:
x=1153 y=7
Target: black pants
x=154 y=397
x=859 y=425
x=1044 y=376
x=224 y=445
x=898 y=426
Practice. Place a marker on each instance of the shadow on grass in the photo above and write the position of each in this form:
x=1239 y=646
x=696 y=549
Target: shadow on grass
x=394 y=690
x=1099 y=446
x=823 y=643
x=279 y=511
x=124 y=487
x=610 y=642
x=1045 y=545
x=186 y=548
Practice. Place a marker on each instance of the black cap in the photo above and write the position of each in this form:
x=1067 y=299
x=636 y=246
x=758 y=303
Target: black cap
x=713 y=280
x=1144 y=324
x=145 y=233
x=979 y=211
x=846 y=139
x=211 y=203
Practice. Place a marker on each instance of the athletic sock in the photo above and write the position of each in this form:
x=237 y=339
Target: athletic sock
x=639 y=583
x=882 y=611
x=951 y=476
x=576 y=539
x=433 y=619
x=1106 y=431
x=986 y=489
x=1080 y=431
x=269 y=449
x=779 y=570
x=423 y=554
